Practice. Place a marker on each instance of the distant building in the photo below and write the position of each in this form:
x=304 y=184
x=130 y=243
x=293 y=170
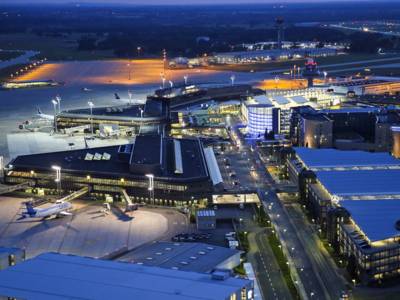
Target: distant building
x=351 y=127
x=367 y=86
x=56 y=276
x=240 y=57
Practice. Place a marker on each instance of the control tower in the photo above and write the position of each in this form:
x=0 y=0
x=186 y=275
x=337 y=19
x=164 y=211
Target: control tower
x=310 y=71
x=279 y=24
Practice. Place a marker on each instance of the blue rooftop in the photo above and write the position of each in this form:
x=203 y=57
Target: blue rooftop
x=56 y=276
x=376 y=218
x=331 y=158
x=361 y=182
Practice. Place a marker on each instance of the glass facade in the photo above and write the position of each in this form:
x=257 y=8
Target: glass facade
x=261 y=118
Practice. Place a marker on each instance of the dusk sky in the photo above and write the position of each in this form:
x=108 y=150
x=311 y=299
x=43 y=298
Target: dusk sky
x=178 y=1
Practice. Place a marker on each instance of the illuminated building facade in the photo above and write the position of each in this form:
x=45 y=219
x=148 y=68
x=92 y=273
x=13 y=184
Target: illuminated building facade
x=261 y=118
x=354 y=197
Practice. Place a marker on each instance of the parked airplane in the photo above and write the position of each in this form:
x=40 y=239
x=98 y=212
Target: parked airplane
x=58 y=209
x=44 y=116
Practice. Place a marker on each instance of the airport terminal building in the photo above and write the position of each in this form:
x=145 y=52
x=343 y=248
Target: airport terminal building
x=154 y=169
x=354 y=196
x=152 y=116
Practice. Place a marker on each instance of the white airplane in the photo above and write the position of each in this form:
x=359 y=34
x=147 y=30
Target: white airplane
x=44 y=116
x=57 y=209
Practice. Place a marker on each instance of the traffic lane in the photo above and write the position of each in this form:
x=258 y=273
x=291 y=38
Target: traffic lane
x=311 y=283
x=313 y=245
x=275 y=280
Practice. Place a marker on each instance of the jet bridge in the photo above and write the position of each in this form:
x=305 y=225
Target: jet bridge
x=5 y=189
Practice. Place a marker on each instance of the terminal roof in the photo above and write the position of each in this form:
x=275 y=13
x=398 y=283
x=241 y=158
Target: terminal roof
x=377 y=219
x=332 y=158
x=56 y=276
x=75 y=161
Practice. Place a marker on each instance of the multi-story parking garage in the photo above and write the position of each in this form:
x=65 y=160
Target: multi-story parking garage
x=355 y=197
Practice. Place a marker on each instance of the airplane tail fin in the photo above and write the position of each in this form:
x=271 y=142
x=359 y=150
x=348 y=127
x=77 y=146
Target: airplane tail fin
x=29 y=208
x=39 y=111
x=117 y=96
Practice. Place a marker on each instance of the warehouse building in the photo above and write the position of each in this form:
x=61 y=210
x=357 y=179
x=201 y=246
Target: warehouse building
x=55 y=276
x=153 y=169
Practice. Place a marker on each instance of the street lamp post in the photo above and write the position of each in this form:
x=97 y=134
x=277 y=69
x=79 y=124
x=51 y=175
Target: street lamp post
x=129 y=71
x=130 y=96
x=325 y=75
x=162 y=80
x=55 y=103
x=91 y=104
x=171 y=84
x=138 y=50
x=151 y=187
x=58 y=99
x=233 y=77
x=186 y=79
x=58 y=177
x=1 y=166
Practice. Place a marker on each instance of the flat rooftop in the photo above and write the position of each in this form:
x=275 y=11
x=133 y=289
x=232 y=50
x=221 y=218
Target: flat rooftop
x=109 y=164
x=377 y=219
x=333 y=158
x=315 y=117
x=361 y=182
x=196 y=257
x=147 y=149
x=55 y=276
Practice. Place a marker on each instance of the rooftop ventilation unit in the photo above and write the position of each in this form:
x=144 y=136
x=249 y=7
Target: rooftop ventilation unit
x=89 y=156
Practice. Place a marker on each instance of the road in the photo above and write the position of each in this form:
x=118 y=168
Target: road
x=302 y=247
x=269 y=275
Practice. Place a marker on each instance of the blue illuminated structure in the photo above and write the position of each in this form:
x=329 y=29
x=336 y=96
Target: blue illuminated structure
x=261 y=117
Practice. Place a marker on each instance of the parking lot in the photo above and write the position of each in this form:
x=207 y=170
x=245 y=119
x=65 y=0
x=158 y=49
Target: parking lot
x=88 y=232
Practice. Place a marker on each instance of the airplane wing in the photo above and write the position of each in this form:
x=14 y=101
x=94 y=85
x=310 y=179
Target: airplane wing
x=64 y=213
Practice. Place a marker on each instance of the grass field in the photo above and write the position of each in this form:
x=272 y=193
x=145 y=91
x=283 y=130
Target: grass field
x=7 y=55
x=54 y=48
